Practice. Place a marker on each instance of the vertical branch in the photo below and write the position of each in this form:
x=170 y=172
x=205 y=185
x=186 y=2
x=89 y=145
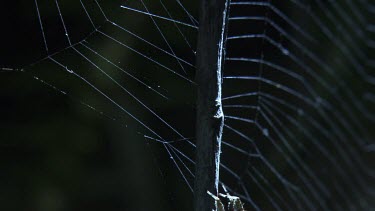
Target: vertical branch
x=210 y=118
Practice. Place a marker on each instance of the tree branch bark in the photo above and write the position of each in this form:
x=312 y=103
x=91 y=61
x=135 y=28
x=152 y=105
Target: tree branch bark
x=210 y=118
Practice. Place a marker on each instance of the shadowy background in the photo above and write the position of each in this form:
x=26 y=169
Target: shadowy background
x=57 y=153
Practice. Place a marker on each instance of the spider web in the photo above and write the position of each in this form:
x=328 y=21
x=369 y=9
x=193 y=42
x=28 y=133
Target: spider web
x=297 y=93
x=310 y=123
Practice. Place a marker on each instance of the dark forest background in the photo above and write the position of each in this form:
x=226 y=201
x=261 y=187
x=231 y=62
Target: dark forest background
x=58 y=154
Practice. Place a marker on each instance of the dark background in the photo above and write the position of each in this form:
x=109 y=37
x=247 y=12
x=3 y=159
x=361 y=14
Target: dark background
x=57 y=153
